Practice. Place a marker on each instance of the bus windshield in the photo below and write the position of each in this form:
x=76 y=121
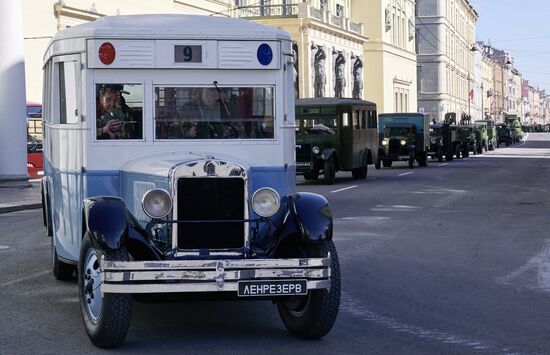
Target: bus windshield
x=213 y=113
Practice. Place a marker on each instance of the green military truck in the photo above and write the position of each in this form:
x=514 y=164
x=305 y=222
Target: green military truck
x=482 y=136
x=514 y=123
x=468 y=139
x=335 y=134
x=443 y=142
x=492 y=137
x=403 y=137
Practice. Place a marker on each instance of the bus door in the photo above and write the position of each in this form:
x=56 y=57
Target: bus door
x=62 y=116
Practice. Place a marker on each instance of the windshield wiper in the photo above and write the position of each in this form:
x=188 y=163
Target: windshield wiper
x=221 y=99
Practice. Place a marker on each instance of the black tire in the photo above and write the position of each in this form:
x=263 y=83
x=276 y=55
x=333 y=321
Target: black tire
x=329 y=172
x=62 y=271
x=312 y=316
x=360 y=173
x=378 y=163
x=411 y=162
x=440 y=156
x=107 y=328
x=458 y=153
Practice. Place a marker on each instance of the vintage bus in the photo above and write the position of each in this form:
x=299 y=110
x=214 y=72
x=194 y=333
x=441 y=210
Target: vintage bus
x=169 y=168
x=335 y=134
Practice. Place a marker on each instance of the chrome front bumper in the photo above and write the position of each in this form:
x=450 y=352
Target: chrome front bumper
x=208 y=275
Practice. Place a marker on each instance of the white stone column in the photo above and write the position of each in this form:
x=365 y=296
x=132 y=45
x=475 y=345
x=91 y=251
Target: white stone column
x=13 y=122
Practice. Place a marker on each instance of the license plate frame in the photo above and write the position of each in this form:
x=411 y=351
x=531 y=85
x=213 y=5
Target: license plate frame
x=272 y=288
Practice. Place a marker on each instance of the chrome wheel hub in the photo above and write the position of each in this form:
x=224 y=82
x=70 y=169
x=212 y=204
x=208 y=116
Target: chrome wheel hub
x=91 y=286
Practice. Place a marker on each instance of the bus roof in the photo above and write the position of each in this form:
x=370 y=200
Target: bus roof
x=333 y=101
x=172 y=26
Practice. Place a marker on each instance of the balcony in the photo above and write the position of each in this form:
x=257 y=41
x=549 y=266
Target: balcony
x=297 y=10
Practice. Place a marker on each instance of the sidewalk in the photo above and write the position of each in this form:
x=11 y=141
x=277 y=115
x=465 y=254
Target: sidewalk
x=20 y=198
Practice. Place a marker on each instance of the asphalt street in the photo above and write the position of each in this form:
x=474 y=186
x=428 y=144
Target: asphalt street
x=452 y=258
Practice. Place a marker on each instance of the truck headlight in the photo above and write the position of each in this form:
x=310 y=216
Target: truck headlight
x=265 y=202
x=384 y=141
x=157 y=203
x=403 y=142
x=315 y=150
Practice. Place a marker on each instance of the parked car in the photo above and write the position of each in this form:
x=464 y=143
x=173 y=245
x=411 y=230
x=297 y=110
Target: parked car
x=403 y=137
x=335 y=134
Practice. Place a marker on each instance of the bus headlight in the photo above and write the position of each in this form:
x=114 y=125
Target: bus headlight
x=265 y=202
x=315 y=150
x=156 y=203
x=403 y=142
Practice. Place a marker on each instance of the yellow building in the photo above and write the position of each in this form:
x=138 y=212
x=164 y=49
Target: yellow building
x=390 y=55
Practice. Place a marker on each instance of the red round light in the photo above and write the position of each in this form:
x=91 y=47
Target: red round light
x=107 y=53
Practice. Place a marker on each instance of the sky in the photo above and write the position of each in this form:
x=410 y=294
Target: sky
x=520 y=27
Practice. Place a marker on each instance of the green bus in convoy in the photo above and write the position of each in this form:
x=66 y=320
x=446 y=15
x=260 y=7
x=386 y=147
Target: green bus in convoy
x=335 y=134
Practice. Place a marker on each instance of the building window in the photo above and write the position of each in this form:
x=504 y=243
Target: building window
x=323 y=4
x=339 y=10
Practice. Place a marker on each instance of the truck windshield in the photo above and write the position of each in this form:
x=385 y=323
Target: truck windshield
x=397 y=131
x=209 y=113
x=319 y=125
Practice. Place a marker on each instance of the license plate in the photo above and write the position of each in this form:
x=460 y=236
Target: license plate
x=272 y=288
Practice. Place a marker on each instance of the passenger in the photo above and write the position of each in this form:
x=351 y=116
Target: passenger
x=112 y=113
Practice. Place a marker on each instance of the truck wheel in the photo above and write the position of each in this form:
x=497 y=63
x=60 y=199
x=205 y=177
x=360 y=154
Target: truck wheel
x=411 y=162
x=106 y=318
x=378 y=163
x=62 y=271
x=458 y=153
x=312 y=316
x=329 y=172
x=360 y=173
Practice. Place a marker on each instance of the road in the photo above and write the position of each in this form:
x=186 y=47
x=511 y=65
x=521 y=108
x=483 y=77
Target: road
x=452 y=258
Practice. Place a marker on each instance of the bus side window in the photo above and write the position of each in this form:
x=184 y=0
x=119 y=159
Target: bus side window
x=355 y=119
x=345 y=119
x=371 y=121
x=65 y=111
x=364 y=119
x=47 y=93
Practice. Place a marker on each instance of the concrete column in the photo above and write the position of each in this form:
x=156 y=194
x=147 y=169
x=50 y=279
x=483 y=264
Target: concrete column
x=13 y=123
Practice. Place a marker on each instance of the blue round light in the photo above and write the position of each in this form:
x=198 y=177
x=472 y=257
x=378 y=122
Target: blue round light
x=265 y=54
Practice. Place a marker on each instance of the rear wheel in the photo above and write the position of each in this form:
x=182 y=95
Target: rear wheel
x=106 y=317
x=378 y=163
x=312 y=316
x=329 y=172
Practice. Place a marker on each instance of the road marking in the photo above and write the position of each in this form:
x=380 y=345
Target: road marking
x=33 y=276
x=349 y=305
x=2 y=247
x=345 y=188
x=443 y=164
x=403 y=174
x=538 y=266
x=514 y=156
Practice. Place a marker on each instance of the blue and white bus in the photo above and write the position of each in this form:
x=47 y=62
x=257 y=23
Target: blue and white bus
x=169 y=156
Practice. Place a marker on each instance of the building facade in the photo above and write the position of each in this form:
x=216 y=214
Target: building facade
x=445 y=37
x=390 y=54
x=328 y=49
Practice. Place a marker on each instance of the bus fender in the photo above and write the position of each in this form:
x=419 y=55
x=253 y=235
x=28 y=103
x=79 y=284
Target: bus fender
x=328 y=154
x=106 y=223
x=306 y=216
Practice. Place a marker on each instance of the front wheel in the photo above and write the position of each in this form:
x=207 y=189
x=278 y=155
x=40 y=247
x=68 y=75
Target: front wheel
x=312 y=316
x=411 y=162
x=329 y=173
x=106 y=318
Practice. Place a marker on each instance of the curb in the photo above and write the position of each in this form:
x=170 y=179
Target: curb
x=15 y=208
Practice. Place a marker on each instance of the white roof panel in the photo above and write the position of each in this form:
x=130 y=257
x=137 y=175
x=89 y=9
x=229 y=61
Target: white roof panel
x=172 y=26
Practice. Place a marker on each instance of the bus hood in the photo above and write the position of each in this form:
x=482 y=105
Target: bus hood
x=162 y=163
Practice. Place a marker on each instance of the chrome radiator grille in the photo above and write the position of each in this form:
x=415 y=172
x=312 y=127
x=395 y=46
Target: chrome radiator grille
x=210 y=199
